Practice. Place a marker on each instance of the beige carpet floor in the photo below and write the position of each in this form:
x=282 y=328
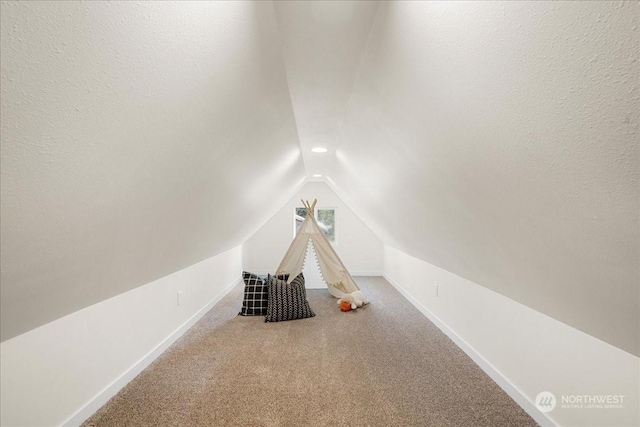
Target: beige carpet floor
x=382 y=365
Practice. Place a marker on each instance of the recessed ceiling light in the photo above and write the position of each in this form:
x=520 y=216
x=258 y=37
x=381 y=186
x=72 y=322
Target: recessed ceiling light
x=319 y=150
x=317 y=175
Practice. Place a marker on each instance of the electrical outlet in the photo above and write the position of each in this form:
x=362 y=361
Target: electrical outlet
x=435 y=288
x=179 y=299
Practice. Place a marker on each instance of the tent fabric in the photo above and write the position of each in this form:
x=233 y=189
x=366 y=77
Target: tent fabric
x=335 y=274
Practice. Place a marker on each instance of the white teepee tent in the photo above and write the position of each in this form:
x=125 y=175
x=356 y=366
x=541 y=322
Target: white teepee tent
x=332 y=269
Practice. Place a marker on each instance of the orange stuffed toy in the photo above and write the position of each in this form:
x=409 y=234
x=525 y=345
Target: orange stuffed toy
x=345 y=306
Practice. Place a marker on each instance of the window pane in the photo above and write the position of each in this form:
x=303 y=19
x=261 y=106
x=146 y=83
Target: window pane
x=327 y=223
x=300 y=215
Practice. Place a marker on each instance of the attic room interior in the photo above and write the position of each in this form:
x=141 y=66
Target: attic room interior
x=473 y=258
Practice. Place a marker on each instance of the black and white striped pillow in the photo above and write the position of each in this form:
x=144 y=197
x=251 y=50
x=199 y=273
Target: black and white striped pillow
x=287 y=301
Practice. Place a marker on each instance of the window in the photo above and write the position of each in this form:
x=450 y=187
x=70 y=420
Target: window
x=326 y=219
x=299 y=216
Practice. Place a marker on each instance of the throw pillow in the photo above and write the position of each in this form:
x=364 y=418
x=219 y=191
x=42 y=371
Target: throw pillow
x=255 y=300
x=287 y=301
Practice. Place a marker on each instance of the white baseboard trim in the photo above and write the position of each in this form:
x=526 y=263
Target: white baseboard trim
x=366 y=273
x=118 y=384
x=504 y=383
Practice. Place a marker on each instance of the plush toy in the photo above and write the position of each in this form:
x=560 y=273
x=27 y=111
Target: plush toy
x=345 y=305
x=352 y=301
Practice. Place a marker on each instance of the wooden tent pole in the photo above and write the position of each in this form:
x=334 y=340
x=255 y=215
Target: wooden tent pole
x=308 y=207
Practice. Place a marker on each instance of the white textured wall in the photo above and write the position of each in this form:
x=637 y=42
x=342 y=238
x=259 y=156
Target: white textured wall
x=530 y=350
x=499 y=141
x=50 y=373
x=138 y=138
x=359 y=249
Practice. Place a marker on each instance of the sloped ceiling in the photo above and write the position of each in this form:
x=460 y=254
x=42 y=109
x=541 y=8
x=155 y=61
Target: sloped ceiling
x=322 y=43
x=138 y=138
x=497 y=140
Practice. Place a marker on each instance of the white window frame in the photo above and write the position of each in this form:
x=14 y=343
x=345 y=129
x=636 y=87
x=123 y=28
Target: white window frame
x=315 y=214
